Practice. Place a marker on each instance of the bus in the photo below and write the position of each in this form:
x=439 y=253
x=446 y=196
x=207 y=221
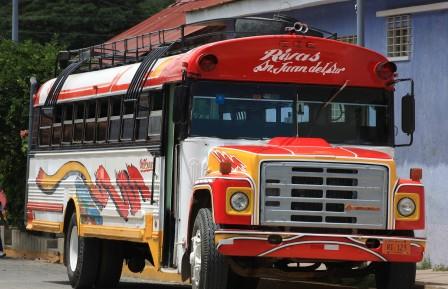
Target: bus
x=257 y=149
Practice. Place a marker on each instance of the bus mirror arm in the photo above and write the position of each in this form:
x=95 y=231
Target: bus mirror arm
x=407 y=112
x=34 y=86
x=180 y=104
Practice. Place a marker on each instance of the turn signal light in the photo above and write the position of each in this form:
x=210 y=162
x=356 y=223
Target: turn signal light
x=386 y=70
x=416 y=174
x=208 y=62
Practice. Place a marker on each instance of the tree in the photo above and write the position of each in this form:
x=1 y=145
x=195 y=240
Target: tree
x=43 y=23
x=18 y=62
x=76 y=23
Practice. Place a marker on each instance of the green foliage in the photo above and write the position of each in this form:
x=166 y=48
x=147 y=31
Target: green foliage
x=18 y=62
x=440 y=268
x=42 y=24
x=76 y=23
x=424 y=264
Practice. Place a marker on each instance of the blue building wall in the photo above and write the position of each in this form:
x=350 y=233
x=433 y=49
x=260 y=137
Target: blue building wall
x=428 y=66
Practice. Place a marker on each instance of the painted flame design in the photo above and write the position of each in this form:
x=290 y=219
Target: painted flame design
x=132 y=188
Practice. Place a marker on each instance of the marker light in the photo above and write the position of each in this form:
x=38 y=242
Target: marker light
x=416 y=174
x=239 y=201
x=406 y=207
x=208 y=62
x=225 y=167
x=385 y=70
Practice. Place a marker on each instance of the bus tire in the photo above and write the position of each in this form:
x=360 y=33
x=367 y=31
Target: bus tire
x=82 y=256
x=395 y=275
x=110 y=265
x=209 y=270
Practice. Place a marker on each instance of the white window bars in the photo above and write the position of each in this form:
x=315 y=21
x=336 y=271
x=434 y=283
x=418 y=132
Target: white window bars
x=399 y=37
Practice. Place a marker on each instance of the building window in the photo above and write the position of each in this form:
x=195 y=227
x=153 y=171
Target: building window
x=352 y=39
x=399 y=36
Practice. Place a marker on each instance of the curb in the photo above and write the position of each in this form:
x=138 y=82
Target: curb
x=52 y=257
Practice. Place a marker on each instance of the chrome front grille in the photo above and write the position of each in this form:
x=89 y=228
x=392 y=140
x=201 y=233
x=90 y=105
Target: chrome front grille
x=330 y=195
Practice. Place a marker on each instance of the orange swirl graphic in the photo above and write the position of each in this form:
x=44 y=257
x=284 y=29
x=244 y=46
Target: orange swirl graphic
x=130 y=182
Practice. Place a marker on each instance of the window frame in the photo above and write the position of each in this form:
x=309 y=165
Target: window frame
x=136 y=136
x=399 y=45
x=389 y=135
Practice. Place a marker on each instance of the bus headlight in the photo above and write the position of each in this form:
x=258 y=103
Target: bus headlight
x=239 y=201
x=406 y=207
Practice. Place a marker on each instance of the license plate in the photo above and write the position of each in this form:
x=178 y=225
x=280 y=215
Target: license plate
x=397 y=247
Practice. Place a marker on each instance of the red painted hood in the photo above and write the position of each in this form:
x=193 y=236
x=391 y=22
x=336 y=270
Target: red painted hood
x=309 y=146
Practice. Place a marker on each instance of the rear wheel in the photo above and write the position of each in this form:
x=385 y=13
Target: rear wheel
x=81 y=255
x=110 y=265
x=395 y=275
x=208 y=268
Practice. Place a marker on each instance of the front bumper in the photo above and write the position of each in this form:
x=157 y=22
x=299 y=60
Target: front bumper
x=319 y=247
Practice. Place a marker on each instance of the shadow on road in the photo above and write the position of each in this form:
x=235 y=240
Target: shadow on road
x=133 y=285
x=58 y=282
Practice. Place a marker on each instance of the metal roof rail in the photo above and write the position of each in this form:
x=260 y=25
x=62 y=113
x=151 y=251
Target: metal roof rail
x=136 y=48
x=138 y=81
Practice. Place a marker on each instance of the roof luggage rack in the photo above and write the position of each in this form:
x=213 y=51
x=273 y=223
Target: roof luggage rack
x=182 y=38
x=148 y=63
x=148 y=48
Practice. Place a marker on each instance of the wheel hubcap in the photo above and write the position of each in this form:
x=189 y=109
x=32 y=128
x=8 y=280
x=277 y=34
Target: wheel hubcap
x=73 y=248
x=195 y=259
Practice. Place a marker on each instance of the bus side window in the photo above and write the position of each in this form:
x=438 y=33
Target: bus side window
x=67 y=135
x=141 y=119
x=78 y=122
x=101 y=123
x=114 y=119
x=57 y=125
x=127 y=124
x=155 y=116
x=90 y=115
x=46 y=119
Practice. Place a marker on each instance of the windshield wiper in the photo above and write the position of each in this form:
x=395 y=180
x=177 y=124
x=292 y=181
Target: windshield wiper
x=324 y=105
x=333 y=97
x=329 y=100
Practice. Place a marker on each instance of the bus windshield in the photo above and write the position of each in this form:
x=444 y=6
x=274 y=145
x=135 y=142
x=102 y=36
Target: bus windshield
x=358 y=116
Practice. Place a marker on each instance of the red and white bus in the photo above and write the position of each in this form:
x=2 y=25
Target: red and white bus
x=264 y=156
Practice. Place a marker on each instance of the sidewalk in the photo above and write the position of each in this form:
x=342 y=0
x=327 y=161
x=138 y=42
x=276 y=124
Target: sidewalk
x=430 y=279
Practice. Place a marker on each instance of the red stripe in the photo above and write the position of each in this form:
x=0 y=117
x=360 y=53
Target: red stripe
x=45 y=207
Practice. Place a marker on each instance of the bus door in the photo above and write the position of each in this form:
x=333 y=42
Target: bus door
x=170 y=176
x=176 y=196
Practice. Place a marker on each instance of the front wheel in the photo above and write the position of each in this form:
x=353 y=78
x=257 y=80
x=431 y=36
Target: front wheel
x=395 y=275
x=81 y=255
x=209 y=270
x=110 y=264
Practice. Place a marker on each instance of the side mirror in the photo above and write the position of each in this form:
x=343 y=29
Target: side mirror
x=180 y=110
x=408 y=114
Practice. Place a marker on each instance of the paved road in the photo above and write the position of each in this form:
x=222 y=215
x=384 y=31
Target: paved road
x=27 y=274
